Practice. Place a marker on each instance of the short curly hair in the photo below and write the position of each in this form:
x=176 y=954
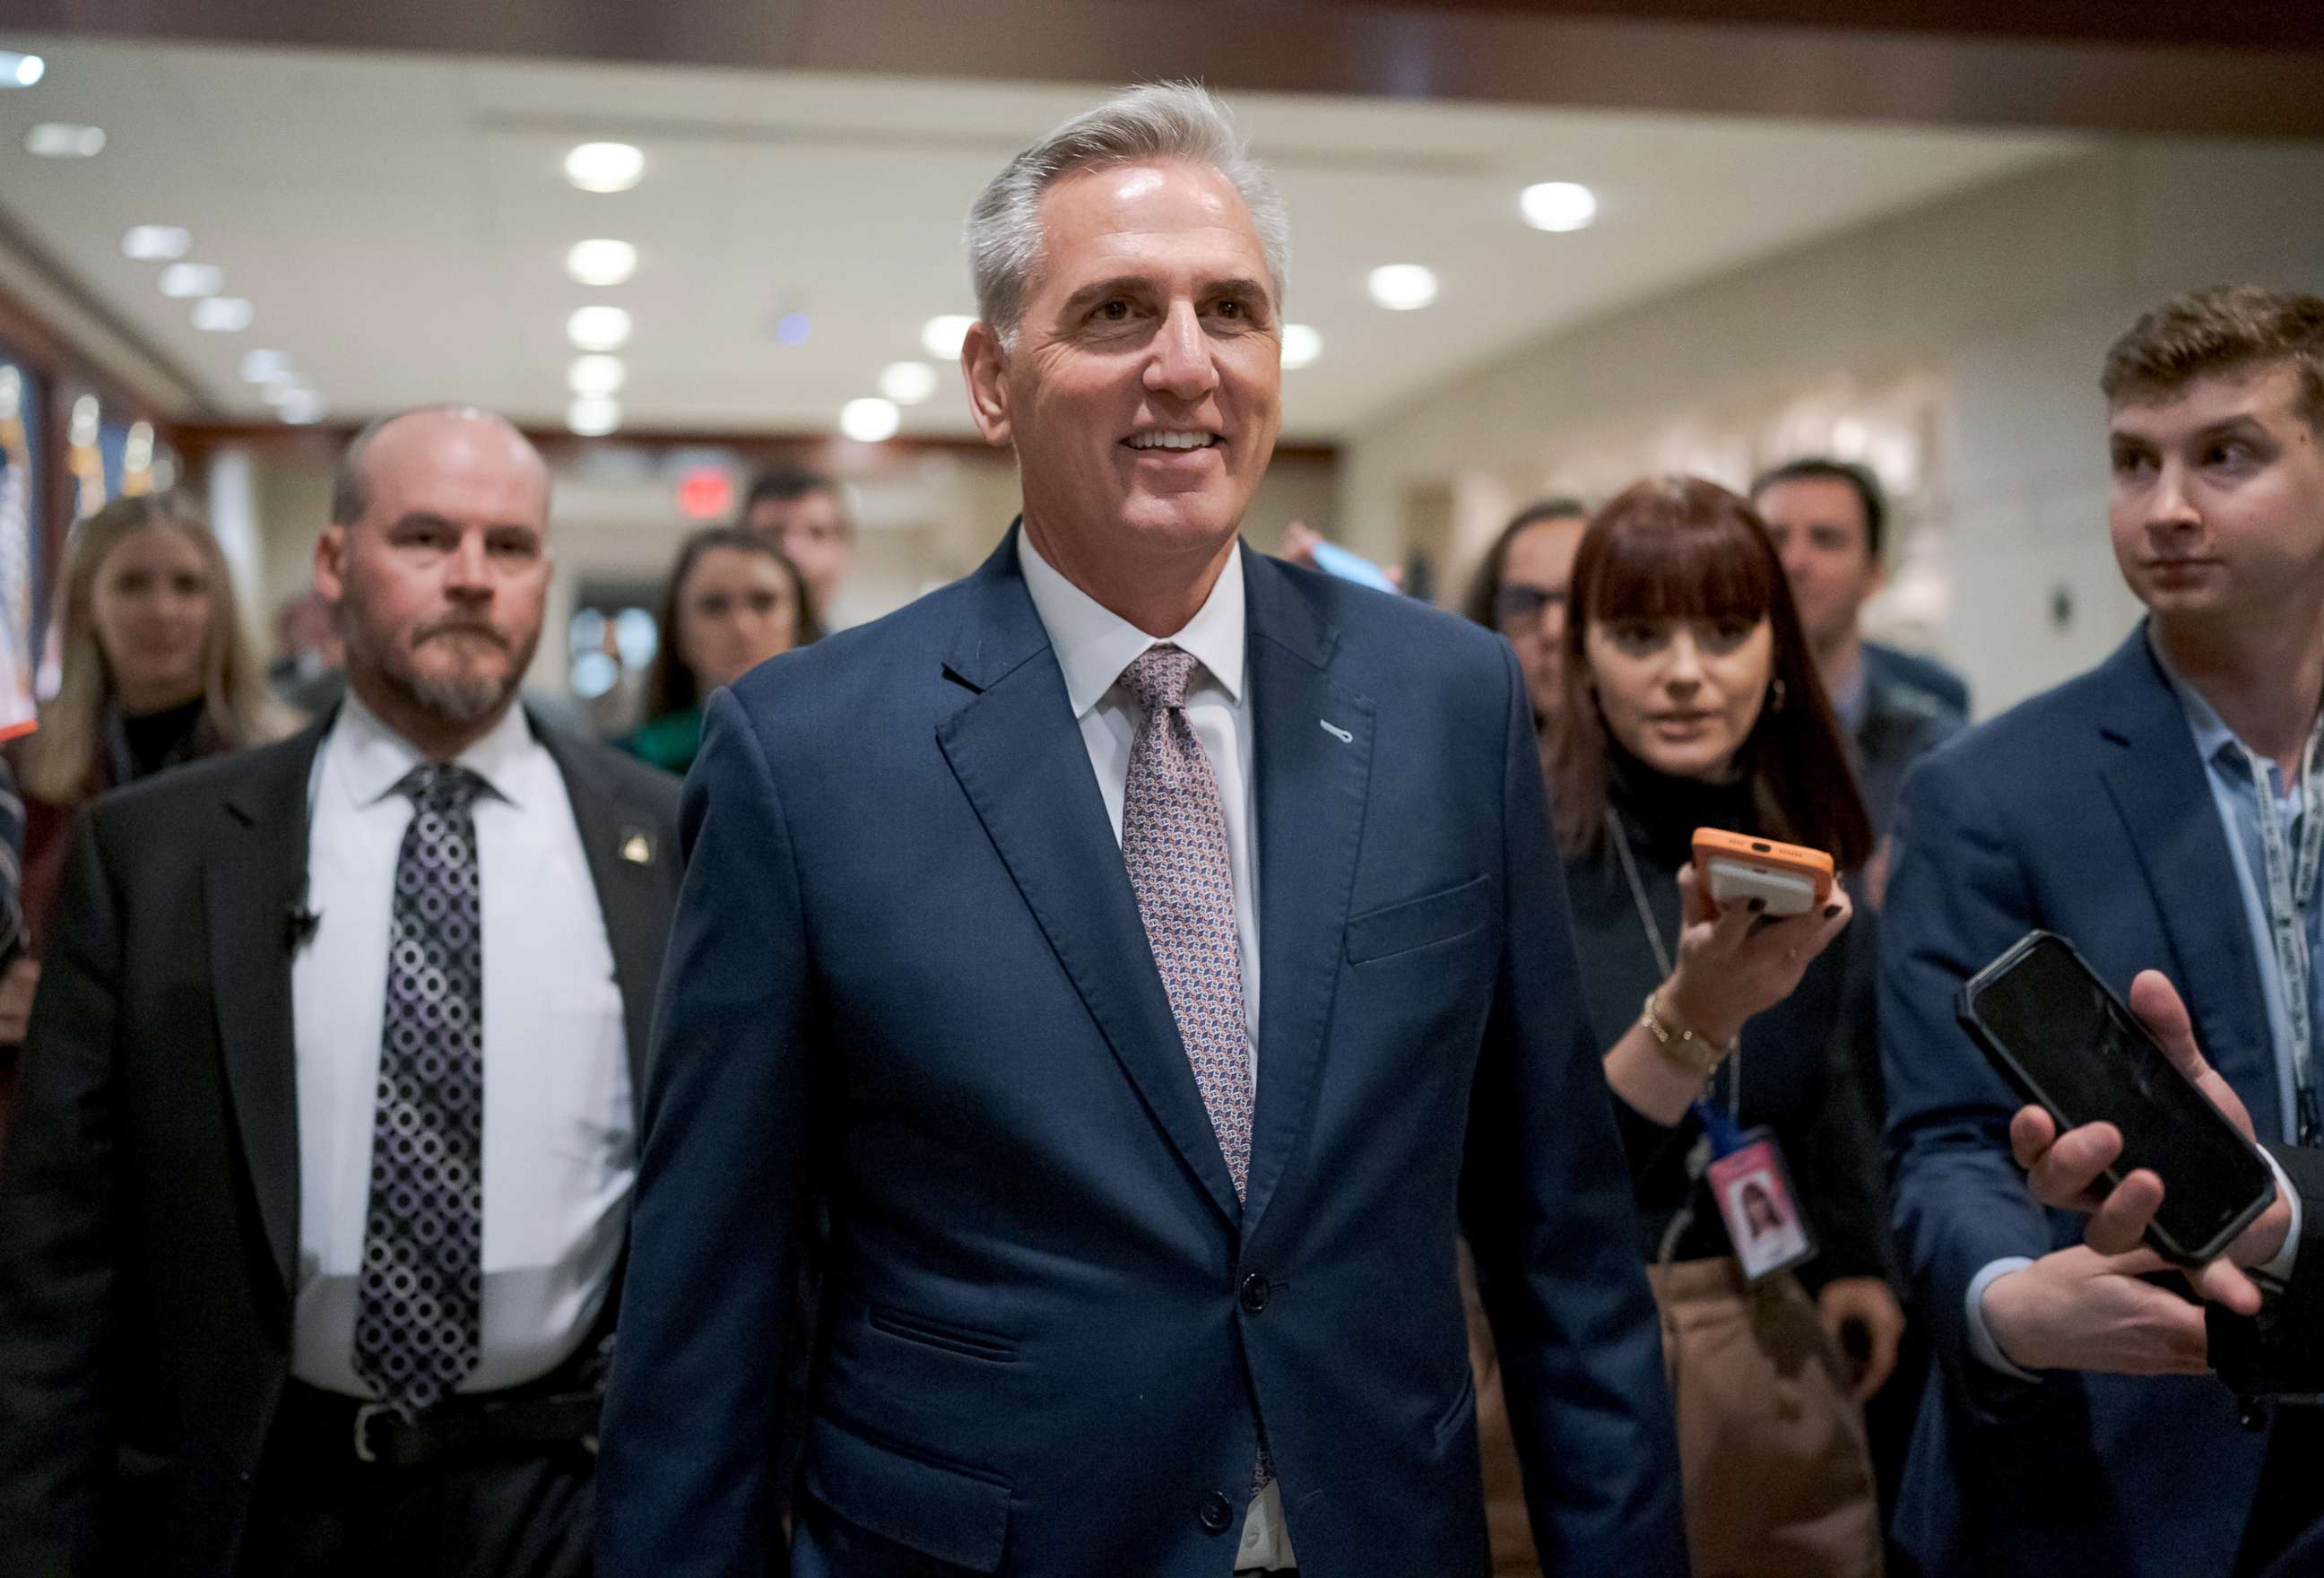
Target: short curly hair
x=2228 y=329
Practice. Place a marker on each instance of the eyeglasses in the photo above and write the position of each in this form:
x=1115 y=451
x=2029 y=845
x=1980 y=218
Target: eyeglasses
x=1521 y=607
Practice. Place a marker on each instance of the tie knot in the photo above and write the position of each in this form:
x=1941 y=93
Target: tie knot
x=441 y=785
x=1156 y=678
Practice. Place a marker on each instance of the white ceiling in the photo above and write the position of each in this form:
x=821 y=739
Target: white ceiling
x=400 y=221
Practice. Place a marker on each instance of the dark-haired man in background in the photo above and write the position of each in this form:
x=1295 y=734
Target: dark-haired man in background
x=1828 y=519
x=322 y=1172
x=807 y=515
x=2157 y=812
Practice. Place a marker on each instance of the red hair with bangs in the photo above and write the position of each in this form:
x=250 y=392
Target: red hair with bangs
x=1681 y=547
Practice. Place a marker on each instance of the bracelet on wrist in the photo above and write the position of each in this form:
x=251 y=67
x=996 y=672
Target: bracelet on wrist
x=1698 y=1055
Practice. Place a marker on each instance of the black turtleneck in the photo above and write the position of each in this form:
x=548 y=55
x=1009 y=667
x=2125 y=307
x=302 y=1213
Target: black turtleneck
x=1808 y=1068
x=156 y=739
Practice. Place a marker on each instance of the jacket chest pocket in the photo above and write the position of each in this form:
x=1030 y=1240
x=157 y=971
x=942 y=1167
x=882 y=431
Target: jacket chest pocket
x=1412 y=924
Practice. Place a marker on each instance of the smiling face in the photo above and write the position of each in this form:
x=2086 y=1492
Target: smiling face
x=1681 y=694
x=2217 y=510
x=150 y=608
x=1142 y=390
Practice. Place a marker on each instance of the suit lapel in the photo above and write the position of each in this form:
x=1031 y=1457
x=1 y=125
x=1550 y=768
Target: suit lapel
x=254 y=877
x=1310 y=796
x=631 y=871
x=1017 y=754
x=2159 y=786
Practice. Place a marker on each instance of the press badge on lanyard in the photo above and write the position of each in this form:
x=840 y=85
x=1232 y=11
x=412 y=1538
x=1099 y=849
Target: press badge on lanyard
x=1753 y=1190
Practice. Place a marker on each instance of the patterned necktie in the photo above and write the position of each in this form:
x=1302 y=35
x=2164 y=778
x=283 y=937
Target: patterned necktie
x=1174 y=840
x=420 y=1301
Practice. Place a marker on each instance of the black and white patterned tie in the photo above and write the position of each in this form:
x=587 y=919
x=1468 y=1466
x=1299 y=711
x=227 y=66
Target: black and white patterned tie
x=420 y=1304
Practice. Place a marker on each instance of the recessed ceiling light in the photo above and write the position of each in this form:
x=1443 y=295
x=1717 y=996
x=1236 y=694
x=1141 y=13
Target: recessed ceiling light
x=598 y=374
x=943 y=335
x=223 y=314
x=908 y=383
x=265 y=367
x=156 y=243
x=63 y=140
x=605 y=167
x=601 y=263
x=1403 y=287
x=304 y=406
x=181 y=279
x=598 y=328
x=20 y=70
x=287 y=391
x=1301 y=345
x=593 y=415
x=1558 y=204
x=870 y=419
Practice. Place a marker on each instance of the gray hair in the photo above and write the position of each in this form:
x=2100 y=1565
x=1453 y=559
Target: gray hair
x=1161 y=120
x=351 y=483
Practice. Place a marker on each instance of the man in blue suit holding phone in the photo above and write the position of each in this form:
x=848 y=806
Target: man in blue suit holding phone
x=2158 y=812
x=1146 y=957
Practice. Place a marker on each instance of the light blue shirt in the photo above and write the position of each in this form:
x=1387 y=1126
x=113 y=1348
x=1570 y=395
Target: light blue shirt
x=2235 y=796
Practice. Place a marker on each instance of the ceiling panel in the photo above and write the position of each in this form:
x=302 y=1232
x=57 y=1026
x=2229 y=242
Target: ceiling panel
x=400 y=221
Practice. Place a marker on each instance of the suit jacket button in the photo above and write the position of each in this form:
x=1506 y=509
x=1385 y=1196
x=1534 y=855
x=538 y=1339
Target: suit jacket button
x=1255 y=1291
x=1217 y=1512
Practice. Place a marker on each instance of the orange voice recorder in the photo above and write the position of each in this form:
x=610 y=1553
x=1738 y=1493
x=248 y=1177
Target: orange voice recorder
x=1737 y=867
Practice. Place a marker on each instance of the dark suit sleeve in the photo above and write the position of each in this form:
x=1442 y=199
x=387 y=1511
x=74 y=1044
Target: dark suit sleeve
x=1957 y=899
x=685 y=1483
x=58 y=1256
x=1546 y=1202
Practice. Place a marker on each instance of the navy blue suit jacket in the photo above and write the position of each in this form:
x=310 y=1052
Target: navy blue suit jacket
x=2085 y=811
x=908 y=979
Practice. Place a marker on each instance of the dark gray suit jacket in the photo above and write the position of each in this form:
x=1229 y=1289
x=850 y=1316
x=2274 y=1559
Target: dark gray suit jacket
x=149 y=1197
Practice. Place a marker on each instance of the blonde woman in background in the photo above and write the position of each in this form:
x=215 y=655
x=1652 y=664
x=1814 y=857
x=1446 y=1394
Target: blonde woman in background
x=156 y=672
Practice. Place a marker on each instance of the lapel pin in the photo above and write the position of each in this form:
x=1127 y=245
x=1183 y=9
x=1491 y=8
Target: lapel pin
x=1337 y=732
x=637 y=848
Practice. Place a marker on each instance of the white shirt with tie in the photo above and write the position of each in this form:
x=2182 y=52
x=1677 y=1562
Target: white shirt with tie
x=1093 y=645
x=560 y=1142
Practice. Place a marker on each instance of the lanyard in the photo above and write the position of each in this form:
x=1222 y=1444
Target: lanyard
x=2290 y=885
x=1725 y=1129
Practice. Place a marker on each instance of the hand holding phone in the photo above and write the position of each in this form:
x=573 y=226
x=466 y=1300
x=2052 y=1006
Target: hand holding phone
x=1737 y=959
x=1788 y=879
x=2067 y=1169
x=2070 y=1047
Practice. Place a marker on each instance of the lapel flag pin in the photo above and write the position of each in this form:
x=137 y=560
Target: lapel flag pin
x=1337 y=732
x=637 y=848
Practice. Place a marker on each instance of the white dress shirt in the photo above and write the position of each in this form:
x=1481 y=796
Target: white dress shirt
x=1093 y=645
x=559 y=1152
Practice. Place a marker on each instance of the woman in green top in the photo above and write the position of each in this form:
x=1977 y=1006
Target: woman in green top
x=732 y=601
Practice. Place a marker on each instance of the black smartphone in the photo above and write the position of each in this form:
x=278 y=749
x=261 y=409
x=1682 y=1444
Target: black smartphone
x=2069 y=1046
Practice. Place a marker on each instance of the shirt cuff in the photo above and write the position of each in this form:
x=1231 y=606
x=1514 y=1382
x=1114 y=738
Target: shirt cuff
x=2279 y=1269
x=1980 y=1336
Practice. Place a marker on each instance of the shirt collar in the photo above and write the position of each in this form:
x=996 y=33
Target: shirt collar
x=1094 y=644
x=378 y=758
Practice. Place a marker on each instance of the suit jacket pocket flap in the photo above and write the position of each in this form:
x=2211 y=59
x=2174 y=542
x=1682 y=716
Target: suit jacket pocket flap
x=938 y=1511
x=1414 y=922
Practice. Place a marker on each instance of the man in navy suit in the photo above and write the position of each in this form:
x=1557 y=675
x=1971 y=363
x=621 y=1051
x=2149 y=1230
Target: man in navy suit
x=2156 y=811
x=1147 y=958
